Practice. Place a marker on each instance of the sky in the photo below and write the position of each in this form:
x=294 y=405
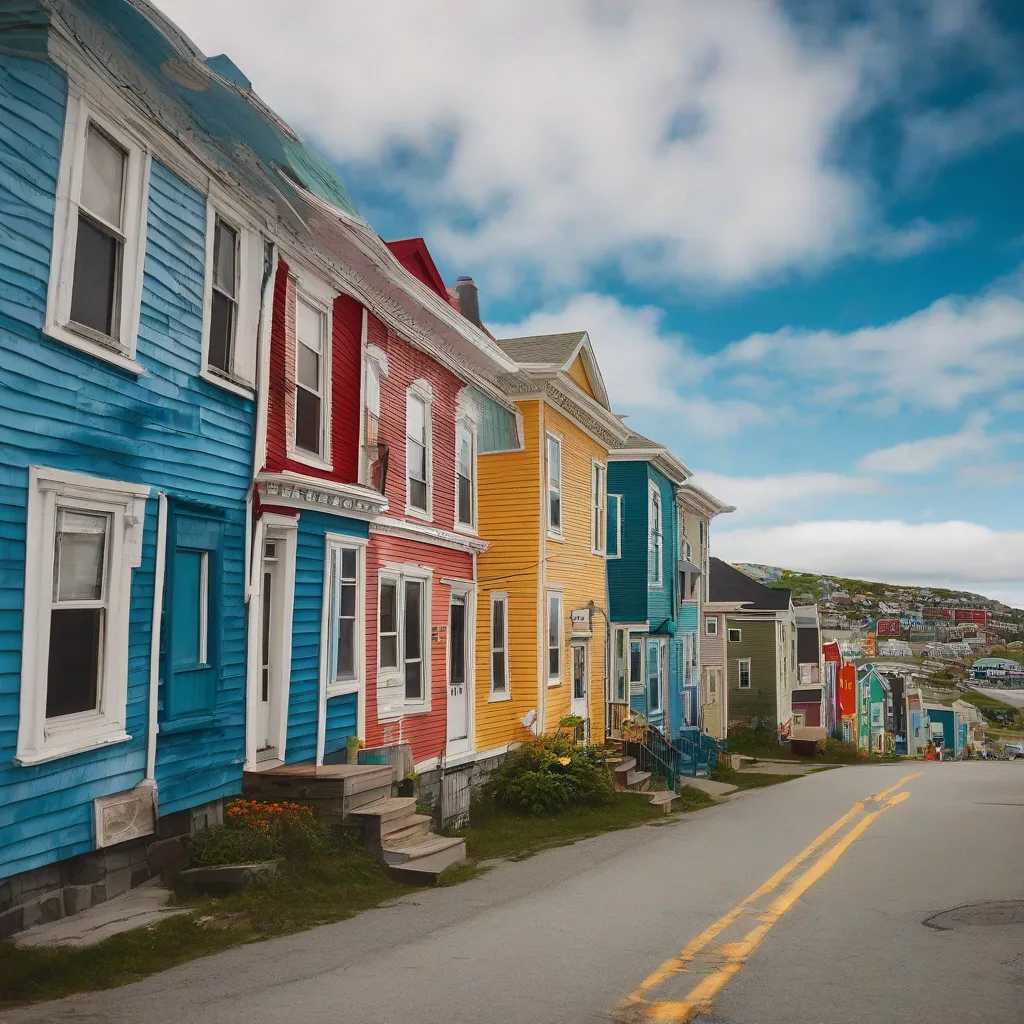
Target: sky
x=794 y=232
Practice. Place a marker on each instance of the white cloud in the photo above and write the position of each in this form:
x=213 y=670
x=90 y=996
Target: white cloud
x=954 y=349
x=920 y=235
x=958 y=555
x=684 y=139
x=643 y=366
x=928 y=453
x=763 y=496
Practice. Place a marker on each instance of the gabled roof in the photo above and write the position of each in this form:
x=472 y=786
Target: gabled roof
x=555 y=353
x=637 y=448
x=729 y=584
x=413 y=254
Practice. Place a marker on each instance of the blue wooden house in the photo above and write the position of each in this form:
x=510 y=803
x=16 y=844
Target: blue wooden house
x=142 y=190
x=658 y=528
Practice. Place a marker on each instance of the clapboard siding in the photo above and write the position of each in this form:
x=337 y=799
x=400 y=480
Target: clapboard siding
x=510 y=506
x=758 y=704
x=307 y=626
x=166 y=428
x=660 y=598
x=341 y=722
x=627 y=575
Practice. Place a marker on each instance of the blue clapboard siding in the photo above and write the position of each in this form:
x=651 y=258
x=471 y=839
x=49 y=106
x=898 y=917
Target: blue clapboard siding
x=167 y=428
x=660 y=599
x=307 y=623
x=341 y=722
x=627 y=575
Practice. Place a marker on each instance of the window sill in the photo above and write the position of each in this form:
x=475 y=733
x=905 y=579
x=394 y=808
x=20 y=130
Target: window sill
x=417 y=513
x=95 y=349
x=499 y=698
x=294 y=455
x=469 y=531
x=655 y=586
x=342 y=689
x=195 y=723
x=417 y=708
x=554 y=682
x=559 y=537
x=236 y=387
x=79 y=745
x=598 y=554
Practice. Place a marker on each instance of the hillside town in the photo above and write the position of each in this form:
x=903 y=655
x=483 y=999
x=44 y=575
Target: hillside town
x=302 y=564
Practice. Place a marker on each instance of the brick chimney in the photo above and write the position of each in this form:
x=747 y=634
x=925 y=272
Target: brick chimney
x=469 y=300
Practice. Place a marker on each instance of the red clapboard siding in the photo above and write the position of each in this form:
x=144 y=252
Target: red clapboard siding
x=346 y=379
x=425 y=731
x=406 y=365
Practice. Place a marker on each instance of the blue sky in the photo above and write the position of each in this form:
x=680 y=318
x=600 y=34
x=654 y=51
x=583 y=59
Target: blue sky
x=794 y=232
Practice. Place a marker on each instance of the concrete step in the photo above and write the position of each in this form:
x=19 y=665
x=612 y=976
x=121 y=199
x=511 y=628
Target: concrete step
x=429 y=847
x=413 y=829
x=666 y=800
x=627 y=764
x=424 y=870
x=638 y=780
x=390 y=812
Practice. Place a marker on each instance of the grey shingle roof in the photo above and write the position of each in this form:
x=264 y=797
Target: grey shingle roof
x=729 y=584
x=550 y=349
x=637 y=442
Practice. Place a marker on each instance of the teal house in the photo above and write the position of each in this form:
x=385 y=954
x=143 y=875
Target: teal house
x=875 y=732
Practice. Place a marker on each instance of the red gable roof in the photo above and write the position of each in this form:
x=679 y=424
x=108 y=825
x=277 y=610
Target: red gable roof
x=412 y=253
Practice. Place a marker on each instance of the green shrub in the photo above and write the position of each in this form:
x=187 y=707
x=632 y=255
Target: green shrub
x=834 y=749
x=551 y=774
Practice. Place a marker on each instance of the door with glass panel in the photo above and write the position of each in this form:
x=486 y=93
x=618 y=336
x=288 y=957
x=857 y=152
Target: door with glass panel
x=268 y=704
x=458 y=683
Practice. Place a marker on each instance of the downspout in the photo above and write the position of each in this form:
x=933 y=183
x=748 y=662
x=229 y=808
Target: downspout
x=160 y=571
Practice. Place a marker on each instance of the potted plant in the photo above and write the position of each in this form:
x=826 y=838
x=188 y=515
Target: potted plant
x=407 y=786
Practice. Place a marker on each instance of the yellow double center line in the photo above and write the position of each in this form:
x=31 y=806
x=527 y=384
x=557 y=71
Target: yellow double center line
x=720 y=963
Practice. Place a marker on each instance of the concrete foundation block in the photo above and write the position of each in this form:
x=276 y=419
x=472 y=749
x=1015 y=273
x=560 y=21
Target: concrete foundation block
x=12 y=921
x=77 y=898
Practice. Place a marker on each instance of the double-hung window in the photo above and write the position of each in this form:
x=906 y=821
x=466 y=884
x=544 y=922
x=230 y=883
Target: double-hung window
x=403 y=623
x=99 y=229
x=711 y=626
x=554 y=638
x=655 y=539
x=223 y=295
x=83 y=538
x=598 y=508
x=375 y=369
x=465 y=460
x=554 y=460
x=653 y=668
x=344 y=604
x=499 y=646
x=418 y=453
x=311 y=347
x=735 y=635
x=743 y=673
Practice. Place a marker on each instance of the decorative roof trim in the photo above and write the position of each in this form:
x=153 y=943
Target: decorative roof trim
x=293 y=491
x=695 y=499
x=569 y=398
x=424 y=534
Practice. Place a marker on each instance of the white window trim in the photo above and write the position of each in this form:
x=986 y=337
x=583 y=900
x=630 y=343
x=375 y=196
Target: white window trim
x=399 y=574
x=598 y=467
x=548 y=647
x=41 y=740
x=321 y=296
x=710 y=620
x=654 y=492
x=647 y=677
x=734 y=629
x=506 y=694
x=466 y=423
x=247 y=301
x=422 y=390
x=376 y=359
x=335 y=542
x=121 y=352
x=618 y=525
x=553 y=533
x=739 y=677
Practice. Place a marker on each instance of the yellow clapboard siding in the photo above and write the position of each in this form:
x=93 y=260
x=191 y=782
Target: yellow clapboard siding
x=571 y=563
x=578 y=372
x=509 y=519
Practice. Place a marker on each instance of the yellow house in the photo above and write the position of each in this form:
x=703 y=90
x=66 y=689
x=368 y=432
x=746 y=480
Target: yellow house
x=541 y=623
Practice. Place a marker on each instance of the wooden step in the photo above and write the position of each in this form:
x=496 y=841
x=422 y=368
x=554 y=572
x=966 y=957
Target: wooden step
x=424 y=870
x=627 y=764
x=413 y=829
x=430 y=846
x=392 y=809
x=354 y=802
x=382 y=776
x=638 y=780
x=665 y=799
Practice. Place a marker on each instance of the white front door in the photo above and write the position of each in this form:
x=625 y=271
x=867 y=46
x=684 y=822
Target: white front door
x=458 y=676
x=580 y=679
x=268 y=699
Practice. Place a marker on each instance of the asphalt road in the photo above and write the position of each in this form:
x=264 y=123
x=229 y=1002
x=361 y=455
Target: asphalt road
x=803 y=903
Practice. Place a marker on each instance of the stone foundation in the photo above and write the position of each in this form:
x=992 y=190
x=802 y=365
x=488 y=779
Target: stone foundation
x=428 y=784
x=73 y=885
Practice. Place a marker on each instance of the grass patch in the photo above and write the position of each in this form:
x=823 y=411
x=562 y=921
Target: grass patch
x=459 y=873
x=748 y=780
x=496 y=832
x=302 y=896
x=694 y=799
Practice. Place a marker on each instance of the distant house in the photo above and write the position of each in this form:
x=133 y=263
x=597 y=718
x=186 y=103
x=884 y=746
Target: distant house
x=811 y=717
x=760 y=650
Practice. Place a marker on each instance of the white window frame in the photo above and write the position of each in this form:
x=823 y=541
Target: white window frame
x=499 y=597
x=41 y=739
x=618 y=525
x=598 y=508
x=241 y=379
x=120 y=350
x=556 y=533
x=320 y=295
x=556 y=596
x=375 y=369
x=740 y=662
x=654 y=706
x=655 y=537
x=334 y=687
x=465 y=425
x=421 y=390
x=738 y=639
x=709 y=621
x=395 y=676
